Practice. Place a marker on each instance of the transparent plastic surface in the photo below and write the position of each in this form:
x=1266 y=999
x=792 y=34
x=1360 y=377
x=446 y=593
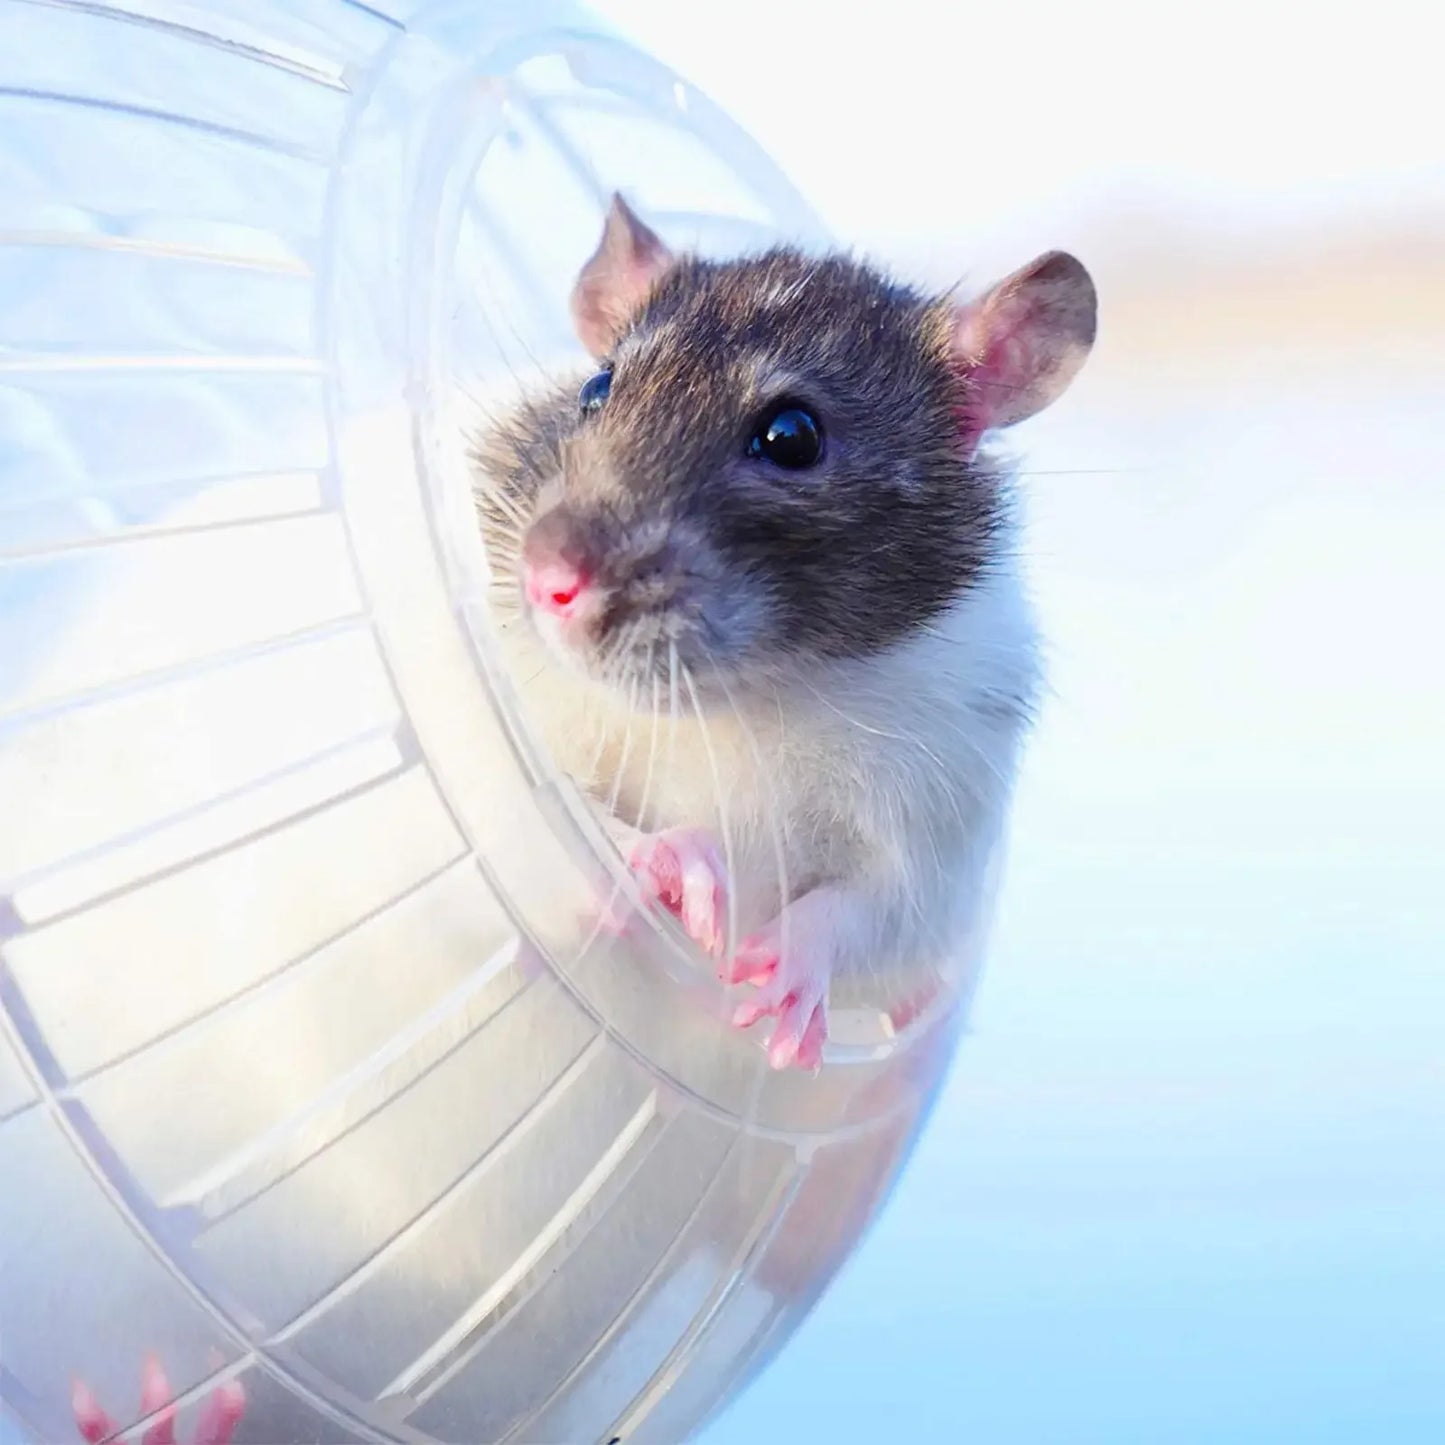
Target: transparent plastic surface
x=310 y=1071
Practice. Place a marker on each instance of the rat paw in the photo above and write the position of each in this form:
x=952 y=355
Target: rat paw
x=219 y=1415
x=681 y=870
x=792 y=987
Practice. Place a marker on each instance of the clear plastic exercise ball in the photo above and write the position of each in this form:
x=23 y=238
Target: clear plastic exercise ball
x=312 y=1073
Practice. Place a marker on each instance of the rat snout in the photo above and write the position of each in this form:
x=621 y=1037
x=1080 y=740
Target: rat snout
x=555 y=585
x=615 y=590
x=557 y=577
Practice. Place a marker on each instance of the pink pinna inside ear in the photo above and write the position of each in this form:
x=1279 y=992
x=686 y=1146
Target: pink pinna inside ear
x=1023 y=342
x=611 y=288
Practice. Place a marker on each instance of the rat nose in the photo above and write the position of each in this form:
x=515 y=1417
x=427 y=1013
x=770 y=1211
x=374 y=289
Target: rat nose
x=555 y=576
x=554 y=584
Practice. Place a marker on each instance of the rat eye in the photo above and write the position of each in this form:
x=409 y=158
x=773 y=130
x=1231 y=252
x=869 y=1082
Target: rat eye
x=788 y=437
x=594 y=391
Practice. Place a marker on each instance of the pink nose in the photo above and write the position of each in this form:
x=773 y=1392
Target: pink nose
x=555 y=585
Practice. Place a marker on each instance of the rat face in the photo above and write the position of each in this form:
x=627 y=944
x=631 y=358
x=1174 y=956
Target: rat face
x=775 y=461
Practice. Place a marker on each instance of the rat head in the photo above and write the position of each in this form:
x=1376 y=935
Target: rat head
x=776 y=460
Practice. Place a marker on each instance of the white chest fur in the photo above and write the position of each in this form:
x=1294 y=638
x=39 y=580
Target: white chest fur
x=891 y=773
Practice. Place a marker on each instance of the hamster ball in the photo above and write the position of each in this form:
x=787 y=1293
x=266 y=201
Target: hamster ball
x=311 y=1073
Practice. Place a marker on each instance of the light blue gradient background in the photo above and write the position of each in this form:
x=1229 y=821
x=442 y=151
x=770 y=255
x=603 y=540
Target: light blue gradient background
x=1187 y=1182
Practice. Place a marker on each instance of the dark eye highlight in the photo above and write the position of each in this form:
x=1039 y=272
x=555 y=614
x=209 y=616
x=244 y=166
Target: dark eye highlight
x=788 y=436
x=593 y=396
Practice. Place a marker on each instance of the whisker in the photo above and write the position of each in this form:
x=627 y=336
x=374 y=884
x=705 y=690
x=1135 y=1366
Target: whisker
x=752 y=1107
x=601 y=723
x=875 y=731
x=730 y=940
x=508 y=516
x=623 y=755
x=504 y=510
x=1082 y=471
x=672 y=703
x=651 y=747
x=776 y=823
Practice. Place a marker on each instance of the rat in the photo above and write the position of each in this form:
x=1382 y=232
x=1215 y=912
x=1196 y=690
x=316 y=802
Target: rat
x=770 y=527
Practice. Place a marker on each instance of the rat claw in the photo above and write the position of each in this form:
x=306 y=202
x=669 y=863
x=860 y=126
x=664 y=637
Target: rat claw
x=155 y=1389
x=747 y=1014
x=783 y=1046
x=680 y=870
x=798 y=1037
x=703 y=907
x=810 y=1047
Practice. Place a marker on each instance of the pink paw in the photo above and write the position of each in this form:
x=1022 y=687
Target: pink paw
x=219 y=1416
x=793 y=988
x=680 y=868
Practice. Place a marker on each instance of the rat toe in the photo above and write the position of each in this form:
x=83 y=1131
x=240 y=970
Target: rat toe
x=92 y=1422
x=680 y=870
x=756 y=961
x=221 y=1414
x=810 y=1047
x=703 y=907
x=798 y=1036
x=155 y=1399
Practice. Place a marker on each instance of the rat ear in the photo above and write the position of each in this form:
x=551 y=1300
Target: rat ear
x=1024 y=342
x=614 y=283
